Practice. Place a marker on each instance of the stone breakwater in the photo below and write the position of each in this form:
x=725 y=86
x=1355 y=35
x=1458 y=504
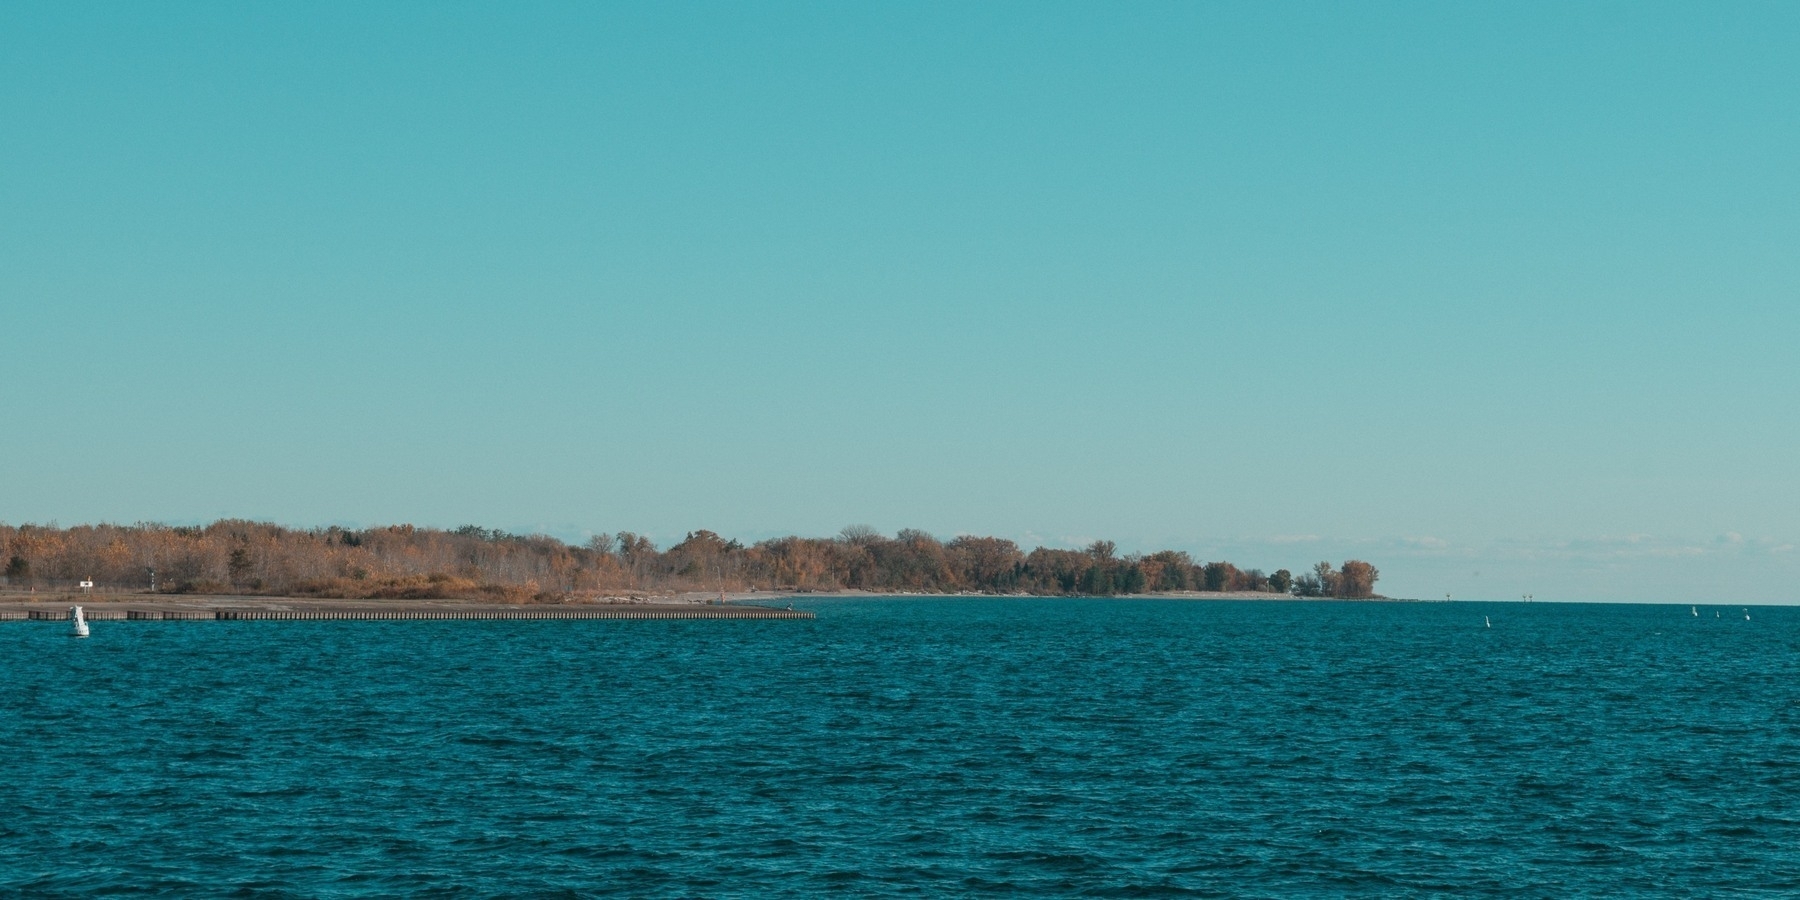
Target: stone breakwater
x=103 y=614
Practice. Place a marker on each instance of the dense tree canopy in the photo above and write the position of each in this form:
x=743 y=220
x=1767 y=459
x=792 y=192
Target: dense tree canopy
x=1356 y=581
x=402 y=561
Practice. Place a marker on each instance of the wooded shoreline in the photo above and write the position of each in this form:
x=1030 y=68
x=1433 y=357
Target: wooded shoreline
x=404 y=562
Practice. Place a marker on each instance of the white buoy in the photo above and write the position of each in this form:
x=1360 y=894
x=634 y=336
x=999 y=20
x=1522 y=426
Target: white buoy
x=1746 y=615
x=78 y=628
x=1485 y=623
x=1696 y=610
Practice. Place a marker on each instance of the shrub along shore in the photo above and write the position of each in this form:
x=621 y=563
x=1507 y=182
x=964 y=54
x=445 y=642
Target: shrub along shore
x=404 y=562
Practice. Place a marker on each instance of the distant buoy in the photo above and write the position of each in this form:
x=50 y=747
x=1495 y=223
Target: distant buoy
x=1746 y=615
x=79 y=627
x=1717 y=615
x=1696 y=610
x=1485 y=623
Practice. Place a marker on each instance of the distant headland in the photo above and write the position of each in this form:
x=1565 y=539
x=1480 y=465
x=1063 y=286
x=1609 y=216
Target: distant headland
x=404 y=562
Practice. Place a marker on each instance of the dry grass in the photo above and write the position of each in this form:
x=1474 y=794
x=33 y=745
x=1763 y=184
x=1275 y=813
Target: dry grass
x=436 y=586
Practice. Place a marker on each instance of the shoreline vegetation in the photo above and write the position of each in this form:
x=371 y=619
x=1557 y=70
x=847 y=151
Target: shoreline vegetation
x=238 y=558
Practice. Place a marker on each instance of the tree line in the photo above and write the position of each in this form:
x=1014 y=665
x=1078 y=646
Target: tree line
x=407 y=562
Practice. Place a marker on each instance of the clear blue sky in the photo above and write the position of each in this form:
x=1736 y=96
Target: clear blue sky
x=1505 y=288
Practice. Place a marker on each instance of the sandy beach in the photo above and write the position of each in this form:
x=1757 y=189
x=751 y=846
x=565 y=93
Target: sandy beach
x=103 y=604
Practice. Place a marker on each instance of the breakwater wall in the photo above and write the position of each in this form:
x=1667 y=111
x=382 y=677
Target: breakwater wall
x=211 y=615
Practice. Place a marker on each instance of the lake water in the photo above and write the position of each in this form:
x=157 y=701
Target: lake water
x=914 y=747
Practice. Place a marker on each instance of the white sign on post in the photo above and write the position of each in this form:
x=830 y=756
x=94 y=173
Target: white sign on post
x=87 y=586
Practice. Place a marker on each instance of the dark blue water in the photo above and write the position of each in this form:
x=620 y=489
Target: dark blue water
x=913 y=747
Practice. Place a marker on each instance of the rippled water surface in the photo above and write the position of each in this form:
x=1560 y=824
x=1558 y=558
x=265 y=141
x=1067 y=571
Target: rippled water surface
x=913 y=747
